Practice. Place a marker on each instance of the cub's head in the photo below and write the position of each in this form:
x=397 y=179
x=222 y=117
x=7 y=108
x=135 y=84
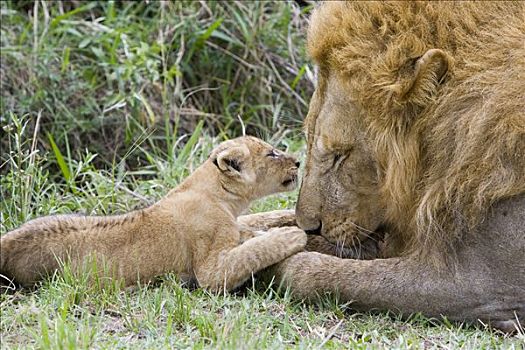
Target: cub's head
x=253 y=168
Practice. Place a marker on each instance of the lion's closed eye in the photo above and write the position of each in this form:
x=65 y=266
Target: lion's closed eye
x=338 y=159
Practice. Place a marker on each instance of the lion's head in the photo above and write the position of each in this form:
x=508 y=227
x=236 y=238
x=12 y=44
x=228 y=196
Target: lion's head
x=417 y=121
x=340 y=193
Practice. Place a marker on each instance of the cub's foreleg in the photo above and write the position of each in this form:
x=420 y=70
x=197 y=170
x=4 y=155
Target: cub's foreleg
x=226 y=270
x=267 y=220
x=246 y=234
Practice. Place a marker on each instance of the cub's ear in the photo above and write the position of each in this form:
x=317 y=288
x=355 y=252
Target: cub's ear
x=420 y=77
x=232 y=160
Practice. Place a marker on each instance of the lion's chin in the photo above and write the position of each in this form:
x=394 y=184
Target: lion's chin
x=353 y=237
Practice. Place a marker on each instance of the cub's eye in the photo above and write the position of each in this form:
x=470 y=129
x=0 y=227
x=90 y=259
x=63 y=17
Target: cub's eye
x=272 y=154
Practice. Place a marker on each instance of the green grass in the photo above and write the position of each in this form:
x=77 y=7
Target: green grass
x=104 y=107
x=66 y=312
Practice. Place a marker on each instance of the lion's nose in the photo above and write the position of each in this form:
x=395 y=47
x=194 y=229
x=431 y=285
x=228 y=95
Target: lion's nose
x=311 y=225
x=316 y=231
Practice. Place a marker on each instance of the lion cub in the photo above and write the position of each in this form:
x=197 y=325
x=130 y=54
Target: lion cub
x=192 y=231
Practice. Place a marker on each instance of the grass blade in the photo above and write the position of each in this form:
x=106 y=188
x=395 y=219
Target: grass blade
x=73 y=12
x=206 y=35
x=60 y=158
x=201 y=40
x=186 y=150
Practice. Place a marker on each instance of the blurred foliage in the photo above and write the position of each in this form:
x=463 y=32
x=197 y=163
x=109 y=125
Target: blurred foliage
x=124 y=79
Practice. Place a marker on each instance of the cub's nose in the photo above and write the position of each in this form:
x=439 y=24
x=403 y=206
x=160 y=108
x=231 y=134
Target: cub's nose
x=297 y=164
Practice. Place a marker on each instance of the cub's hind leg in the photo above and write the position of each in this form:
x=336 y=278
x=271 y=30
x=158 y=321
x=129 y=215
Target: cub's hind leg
x=228 y=269
x=30 y=252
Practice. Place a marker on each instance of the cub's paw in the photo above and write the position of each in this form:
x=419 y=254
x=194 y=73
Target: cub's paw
x=294 y=237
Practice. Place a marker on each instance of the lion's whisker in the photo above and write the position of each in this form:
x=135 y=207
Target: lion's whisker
x=367 y=233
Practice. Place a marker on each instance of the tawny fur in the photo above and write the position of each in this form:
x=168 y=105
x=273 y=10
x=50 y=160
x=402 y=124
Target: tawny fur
x=191 y=232
x=447 y=152
x=417 y=129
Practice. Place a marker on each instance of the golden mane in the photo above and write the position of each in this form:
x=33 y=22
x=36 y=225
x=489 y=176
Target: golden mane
x=454 y=149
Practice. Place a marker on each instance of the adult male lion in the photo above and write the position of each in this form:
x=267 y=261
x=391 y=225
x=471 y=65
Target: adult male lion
x=417 y=129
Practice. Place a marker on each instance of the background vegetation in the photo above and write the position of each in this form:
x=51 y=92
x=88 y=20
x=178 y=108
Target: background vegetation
x=106 y=74
x=104 y=107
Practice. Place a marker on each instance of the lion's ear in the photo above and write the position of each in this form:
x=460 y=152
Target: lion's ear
x=421 y=79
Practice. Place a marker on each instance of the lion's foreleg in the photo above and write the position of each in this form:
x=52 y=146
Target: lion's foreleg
x=400 y=284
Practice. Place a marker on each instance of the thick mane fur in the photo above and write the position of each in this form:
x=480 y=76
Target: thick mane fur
x=458 y=146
